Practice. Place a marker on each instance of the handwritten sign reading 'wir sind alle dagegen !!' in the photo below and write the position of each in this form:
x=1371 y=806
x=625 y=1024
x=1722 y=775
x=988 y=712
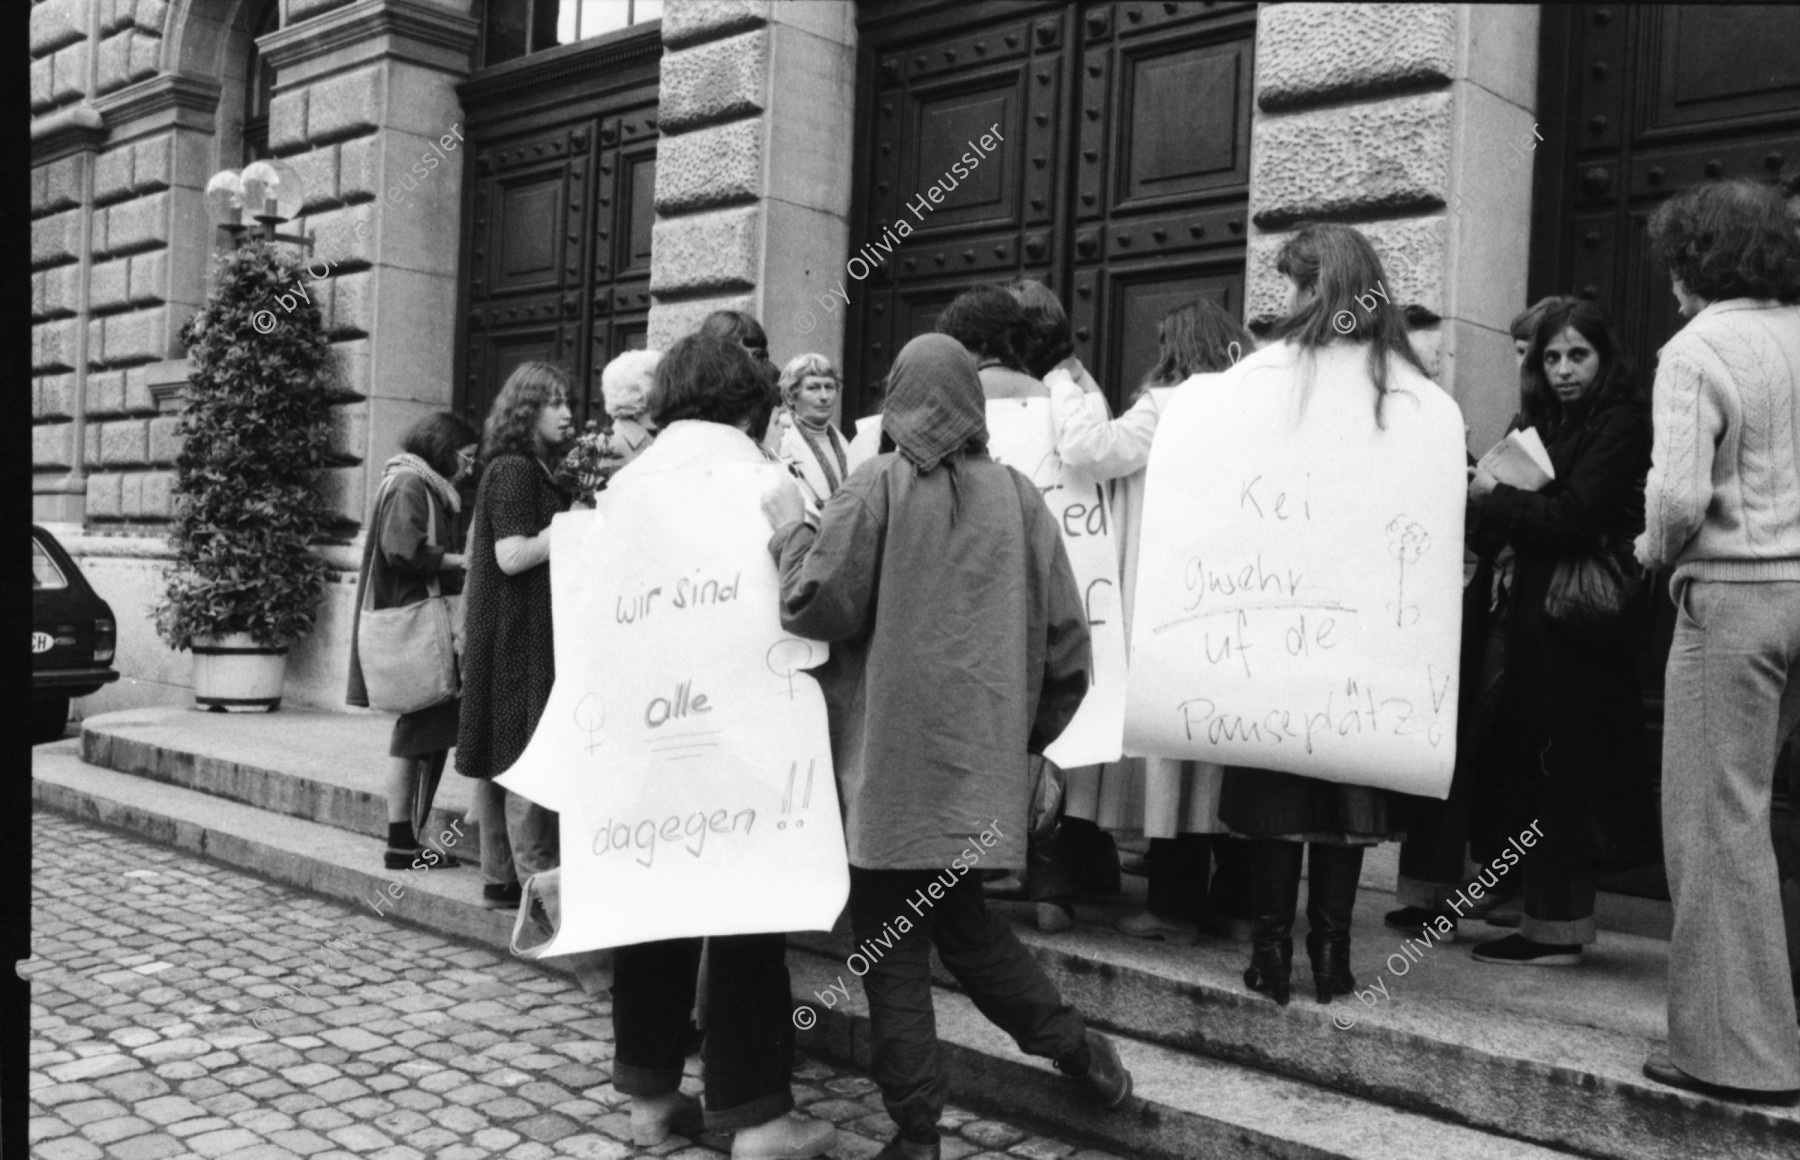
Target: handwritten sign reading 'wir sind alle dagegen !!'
x=1021 y=435
x=1299 y=584
x=684 y=744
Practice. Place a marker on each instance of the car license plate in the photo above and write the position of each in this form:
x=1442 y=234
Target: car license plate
x=42 y=642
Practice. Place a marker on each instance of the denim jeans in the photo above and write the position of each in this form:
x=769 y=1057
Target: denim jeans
x=1732 y=697
x=532 y=831
x=980 y=950
x=749 y=1051
x=489 y=809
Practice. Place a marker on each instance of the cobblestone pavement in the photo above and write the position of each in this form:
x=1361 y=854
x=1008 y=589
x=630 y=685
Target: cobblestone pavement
x=180 y=1008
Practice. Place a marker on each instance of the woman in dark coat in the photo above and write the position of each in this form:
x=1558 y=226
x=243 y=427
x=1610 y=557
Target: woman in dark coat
x=508 y=665
x=1284 y=814
x=1573 y=758
x=408 y=543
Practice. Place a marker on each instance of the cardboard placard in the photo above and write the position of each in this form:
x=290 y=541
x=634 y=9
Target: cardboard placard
x=1021 y=434
x=684 y=743
x=1299 y=582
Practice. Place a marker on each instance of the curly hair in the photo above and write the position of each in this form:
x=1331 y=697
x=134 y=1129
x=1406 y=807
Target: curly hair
x=511 y=427
x=806 y=366
x=714 y=380
x=1045 y=336
x=1729 y=239
x=437 y=438
x=989 y=321
x=625 y=383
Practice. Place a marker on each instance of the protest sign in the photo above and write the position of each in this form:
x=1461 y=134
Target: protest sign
x=684 y=743
x=1020 y=434
x=1299 y=580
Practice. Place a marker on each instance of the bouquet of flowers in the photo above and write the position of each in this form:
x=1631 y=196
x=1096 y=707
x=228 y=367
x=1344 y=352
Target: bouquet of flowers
x=588 y=466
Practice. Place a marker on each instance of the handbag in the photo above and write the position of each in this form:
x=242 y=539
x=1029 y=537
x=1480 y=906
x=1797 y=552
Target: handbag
x=1600 y=590
x=408 y=653
x=1046 y=795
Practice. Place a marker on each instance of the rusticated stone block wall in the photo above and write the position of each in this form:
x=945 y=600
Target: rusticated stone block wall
x=1384 y=116
x=752 y=181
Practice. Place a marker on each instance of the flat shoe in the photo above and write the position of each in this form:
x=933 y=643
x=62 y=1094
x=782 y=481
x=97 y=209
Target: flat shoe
x=790 y=1137
x=1170 y=930
x=1054 y=916
x=655 y=1118
x=1661 y=1069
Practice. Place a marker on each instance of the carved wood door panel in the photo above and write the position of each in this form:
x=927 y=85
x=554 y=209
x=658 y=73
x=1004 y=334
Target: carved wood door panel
x=556 y=251
x=1639 y=102
x=1116 y=169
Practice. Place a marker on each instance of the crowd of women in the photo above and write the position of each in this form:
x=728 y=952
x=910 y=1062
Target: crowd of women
x=935 y=717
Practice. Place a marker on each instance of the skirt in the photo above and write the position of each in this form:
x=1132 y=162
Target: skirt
x=1261 y=803
x=426 y=731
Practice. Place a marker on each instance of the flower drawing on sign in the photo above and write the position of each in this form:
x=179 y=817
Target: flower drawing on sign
x=1407 y=541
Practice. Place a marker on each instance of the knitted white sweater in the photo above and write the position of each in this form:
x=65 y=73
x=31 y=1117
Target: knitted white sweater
x=1723 y=497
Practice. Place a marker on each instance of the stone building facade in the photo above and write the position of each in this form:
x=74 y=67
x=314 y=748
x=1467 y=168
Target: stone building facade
x=1423 y=124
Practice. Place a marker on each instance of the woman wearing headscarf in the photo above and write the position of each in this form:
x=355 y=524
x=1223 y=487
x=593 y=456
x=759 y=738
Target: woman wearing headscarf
x=1723 y=504
x=411 y=532
x=959 y=648
x=810 y=442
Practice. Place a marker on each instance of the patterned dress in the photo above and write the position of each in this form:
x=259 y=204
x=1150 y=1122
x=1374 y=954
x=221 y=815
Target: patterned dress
x=508 y=664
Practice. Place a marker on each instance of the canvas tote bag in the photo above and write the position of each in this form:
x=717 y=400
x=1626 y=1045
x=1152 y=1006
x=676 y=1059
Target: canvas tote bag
x=408 y=654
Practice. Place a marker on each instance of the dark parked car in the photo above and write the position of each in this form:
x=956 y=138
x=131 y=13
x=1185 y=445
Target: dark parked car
x=73 y=635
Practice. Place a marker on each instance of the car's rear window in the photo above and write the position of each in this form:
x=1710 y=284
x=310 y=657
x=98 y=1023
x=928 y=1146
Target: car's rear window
x=44 y=572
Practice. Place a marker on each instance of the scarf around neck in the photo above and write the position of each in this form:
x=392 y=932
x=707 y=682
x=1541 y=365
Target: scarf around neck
x=406 y=463
x=935 y=408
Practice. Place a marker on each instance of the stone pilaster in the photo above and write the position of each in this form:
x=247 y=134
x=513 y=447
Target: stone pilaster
x=752 y=192
x=1413 y=122
x=365 y=109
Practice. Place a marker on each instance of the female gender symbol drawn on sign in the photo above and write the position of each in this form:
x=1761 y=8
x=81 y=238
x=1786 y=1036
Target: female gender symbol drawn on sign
x=788 y=656
x=590 y=716
x=1406 y=542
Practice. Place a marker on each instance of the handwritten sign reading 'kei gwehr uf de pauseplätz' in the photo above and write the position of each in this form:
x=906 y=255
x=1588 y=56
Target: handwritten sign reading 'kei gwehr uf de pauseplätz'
x=684 y=742
x=1299 y=583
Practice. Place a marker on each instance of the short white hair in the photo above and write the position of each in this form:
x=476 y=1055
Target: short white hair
x=805 y=366
x=625 y=383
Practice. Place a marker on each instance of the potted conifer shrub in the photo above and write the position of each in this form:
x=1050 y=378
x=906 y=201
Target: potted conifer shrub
x=245 y=583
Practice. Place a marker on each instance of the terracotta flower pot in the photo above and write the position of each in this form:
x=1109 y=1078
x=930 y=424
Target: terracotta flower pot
x=234 y=674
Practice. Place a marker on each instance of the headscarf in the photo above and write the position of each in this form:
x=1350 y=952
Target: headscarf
x=934 y=405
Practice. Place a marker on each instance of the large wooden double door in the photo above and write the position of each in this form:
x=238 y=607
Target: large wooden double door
x=1636 y=103
x=556 y=249
x=1120 y=178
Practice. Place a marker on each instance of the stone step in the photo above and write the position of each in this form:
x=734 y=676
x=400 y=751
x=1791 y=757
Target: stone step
x=322 y=767
x=1187 y=1105
x=1451 y=1038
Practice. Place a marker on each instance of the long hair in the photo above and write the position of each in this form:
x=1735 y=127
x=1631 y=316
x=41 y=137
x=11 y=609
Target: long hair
x=1044 y=335
x=1616 y=378
x=1729 y=239
x=1195 y=339
x=1348 y=286
x=511 y=427
x=437 y=438
x=989 y=321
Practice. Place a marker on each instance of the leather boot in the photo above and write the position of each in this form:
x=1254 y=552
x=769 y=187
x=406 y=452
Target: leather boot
x=1330 y=904
x=1274 y=871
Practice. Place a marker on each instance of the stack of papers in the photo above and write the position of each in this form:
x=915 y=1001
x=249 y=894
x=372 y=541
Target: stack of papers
x=1520 y=461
